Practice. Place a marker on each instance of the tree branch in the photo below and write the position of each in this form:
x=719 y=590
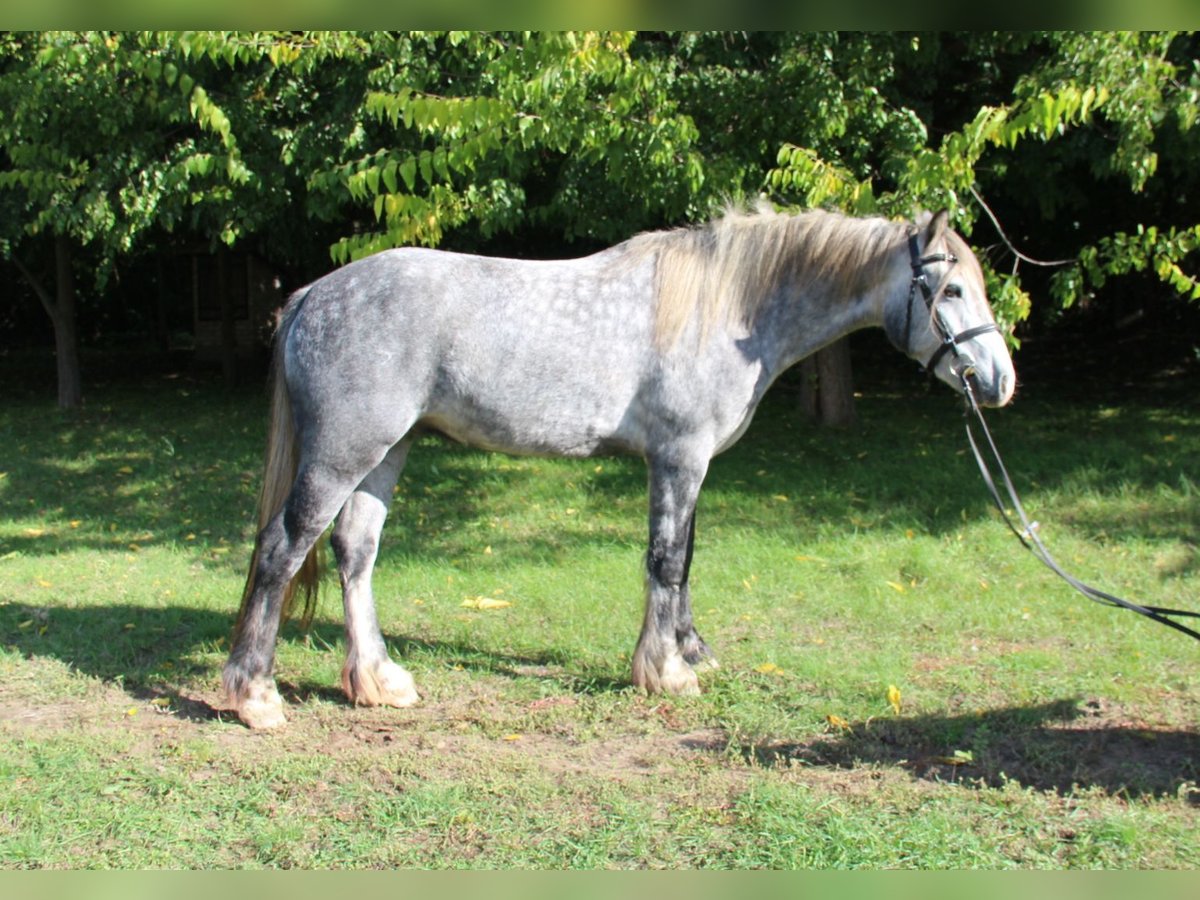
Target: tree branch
x=38 y=288
x=1004 y=237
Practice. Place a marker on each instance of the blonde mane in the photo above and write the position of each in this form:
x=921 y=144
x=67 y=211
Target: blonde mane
x=725 y=271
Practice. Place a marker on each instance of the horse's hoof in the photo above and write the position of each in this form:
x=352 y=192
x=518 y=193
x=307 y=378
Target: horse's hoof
x=681 y=687
x=384 y=684
x=261 y=708
x=673 y=676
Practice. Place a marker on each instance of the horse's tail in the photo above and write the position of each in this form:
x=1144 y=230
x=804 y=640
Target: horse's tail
x=279 y=473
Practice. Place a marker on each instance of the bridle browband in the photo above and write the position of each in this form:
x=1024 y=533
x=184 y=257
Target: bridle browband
x=950 y=341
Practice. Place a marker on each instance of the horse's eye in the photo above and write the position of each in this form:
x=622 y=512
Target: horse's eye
x=954 y=291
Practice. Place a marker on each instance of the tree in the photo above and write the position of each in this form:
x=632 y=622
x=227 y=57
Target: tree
x=494 y=133
x=103 y=140
x=1110 y=100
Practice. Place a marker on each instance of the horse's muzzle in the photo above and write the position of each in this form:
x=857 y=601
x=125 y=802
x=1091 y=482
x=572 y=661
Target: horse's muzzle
x=994 y=390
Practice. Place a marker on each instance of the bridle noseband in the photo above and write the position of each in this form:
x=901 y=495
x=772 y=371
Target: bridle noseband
x=950 y=341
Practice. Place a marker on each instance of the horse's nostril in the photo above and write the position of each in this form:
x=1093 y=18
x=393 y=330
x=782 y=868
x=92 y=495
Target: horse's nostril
x=1006 y=388
x=996 y=391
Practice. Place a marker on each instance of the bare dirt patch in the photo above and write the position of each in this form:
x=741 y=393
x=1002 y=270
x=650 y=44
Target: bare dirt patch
x=436 y=739
x=1062 y=748
x=471 y=724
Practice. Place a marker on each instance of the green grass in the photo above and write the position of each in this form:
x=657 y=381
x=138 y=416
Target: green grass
x=1034 y=730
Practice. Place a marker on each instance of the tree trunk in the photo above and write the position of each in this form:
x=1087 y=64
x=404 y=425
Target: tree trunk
x=66 y=331
x=60 y=307
x=827 y=386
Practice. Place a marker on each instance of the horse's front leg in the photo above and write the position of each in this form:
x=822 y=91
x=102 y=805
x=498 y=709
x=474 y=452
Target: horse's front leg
x=696 y=653
x=669 y=643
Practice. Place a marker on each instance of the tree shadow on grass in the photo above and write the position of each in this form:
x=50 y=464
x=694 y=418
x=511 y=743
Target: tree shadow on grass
x=1062 y=746
x=179 y=464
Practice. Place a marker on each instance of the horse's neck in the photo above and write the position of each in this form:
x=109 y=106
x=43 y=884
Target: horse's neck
x=795 y=327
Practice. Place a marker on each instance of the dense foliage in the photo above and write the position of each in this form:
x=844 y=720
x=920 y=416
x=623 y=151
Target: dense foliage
x=318 y=147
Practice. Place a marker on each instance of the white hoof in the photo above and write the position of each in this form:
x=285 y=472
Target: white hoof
x=671 y=675
x=382 y=684
x=260 y=706
x=677 y=677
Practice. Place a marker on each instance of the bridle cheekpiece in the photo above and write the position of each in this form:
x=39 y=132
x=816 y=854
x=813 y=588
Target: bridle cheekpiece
x=950 y=341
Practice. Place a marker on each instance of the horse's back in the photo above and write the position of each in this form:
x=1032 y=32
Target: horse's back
x=524 y=356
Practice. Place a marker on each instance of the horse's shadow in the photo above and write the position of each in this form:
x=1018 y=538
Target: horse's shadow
x=152 y=651
x=1060 y=746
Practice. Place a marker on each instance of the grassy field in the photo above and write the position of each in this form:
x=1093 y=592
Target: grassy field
x=901 y=685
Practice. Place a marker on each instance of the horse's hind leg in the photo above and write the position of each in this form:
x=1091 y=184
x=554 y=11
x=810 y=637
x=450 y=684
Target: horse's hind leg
x=282 y=547
x=369 y=677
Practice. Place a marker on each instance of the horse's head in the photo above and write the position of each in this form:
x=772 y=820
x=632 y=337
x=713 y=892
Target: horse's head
x=942 y=318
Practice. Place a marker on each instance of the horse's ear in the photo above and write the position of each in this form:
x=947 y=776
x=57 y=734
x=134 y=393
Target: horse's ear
x=934 y=226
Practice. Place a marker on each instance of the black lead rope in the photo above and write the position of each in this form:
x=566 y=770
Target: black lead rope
x=1028 y=535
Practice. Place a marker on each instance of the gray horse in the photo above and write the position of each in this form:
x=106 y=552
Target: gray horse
x=661 y=346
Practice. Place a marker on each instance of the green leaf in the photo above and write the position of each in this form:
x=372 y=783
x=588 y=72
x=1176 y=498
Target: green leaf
x=408 y=172
x=440 y=163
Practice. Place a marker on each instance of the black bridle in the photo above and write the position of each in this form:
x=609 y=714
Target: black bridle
x=920 y=281
x=1027 y=533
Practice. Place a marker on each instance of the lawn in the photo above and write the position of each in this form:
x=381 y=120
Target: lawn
x=901 y=685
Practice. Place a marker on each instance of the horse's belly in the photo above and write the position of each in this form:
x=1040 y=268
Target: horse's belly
x=528 y=438
x=545 y=421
